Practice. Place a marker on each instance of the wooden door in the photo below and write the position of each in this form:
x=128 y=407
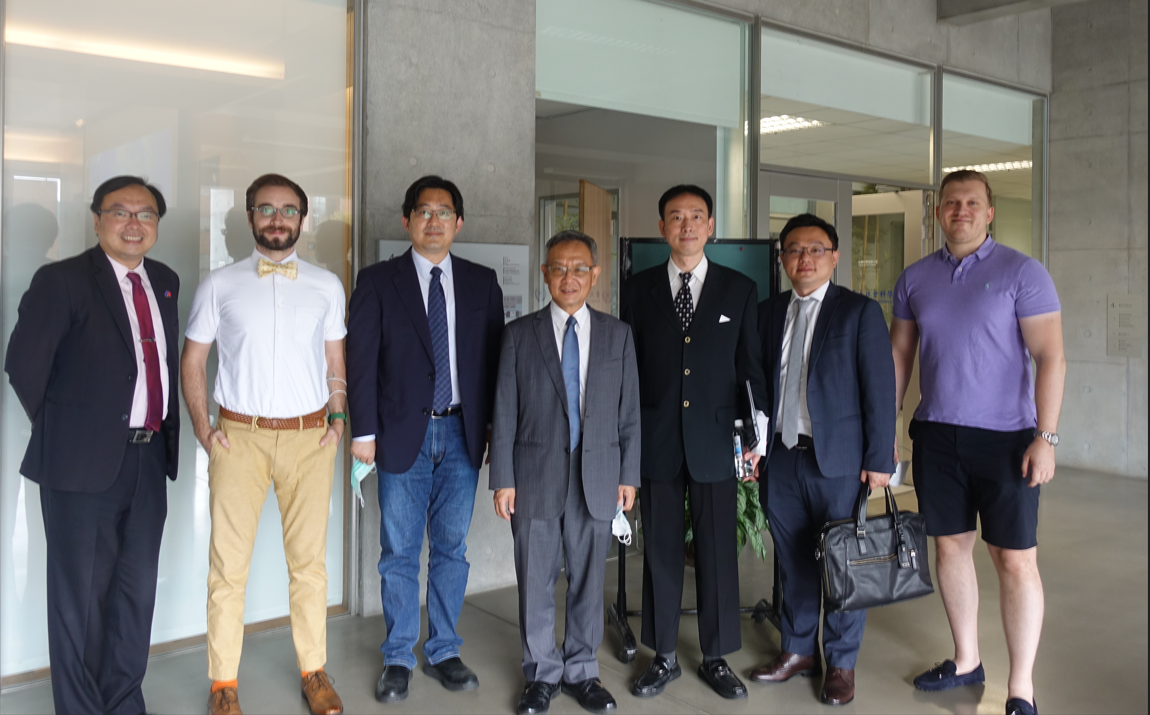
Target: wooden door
x=595 y=221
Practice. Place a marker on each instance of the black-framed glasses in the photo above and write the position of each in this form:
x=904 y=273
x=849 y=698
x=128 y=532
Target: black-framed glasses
x=125 y=215
x=581 y=271
x=267 y=211
x=813 y=251
x=426 y=214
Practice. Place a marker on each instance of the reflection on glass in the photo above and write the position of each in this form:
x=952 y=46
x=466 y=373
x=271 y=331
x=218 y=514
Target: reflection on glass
x=200 y=110
x=637 y=96
x=999 y=132
x=830 y=109
x=877 y=253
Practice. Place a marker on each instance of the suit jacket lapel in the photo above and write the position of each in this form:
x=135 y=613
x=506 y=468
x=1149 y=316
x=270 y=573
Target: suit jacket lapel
x=169 y=311
x=661 y=294
x=599 y=348
x=778 y=328
x=823 y=324
x=706 y=315
x=105 y=278
x=407 y=285
x=545 y=335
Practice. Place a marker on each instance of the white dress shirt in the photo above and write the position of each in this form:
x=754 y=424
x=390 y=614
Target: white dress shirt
x=813 y=307
x=140 y=396
x=423 y=273
x=269 y=334
x=583 y=333
x=698 y=275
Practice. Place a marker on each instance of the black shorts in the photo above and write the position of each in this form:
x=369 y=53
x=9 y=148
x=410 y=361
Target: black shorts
x=964 y=473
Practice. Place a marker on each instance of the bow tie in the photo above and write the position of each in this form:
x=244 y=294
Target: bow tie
x=287 y=270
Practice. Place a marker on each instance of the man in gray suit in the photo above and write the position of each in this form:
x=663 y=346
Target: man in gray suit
x=564 y=459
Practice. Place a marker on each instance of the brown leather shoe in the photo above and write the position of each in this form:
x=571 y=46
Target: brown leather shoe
x=224 y=702
x=321 y=697
x=784 y=667
x=839 y=687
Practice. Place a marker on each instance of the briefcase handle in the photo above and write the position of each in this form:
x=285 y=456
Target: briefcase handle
x=896 y=520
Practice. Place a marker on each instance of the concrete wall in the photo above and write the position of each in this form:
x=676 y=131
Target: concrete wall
x=1097 y=197
x=1015 y=48
x=449 y=88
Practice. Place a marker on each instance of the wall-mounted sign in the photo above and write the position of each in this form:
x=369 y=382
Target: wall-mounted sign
x=1125 y=324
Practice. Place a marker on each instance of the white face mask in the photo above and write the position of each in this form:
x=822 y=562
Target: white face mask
x=621 y=527
x=359 y=472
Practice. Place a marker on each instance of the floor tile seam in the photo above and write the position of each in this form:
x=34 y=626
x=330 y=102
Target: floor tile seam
x=496 y=616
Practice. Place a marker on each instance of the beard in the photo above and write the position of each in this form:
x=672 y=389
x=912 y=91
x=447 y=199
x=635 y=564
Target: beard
x=276 y=245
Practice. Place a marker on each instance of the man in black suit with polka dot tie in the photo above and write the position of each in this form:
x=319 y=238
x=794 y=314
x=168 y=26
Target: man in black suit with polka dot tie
x=696 y=344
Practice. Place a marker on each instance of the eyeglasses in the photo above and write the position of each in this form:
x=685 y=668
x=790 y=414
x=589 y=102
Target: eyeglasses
x=267 y=211
x=124 y=215
x=814 y=251
x=581 y=271
x=426 y=214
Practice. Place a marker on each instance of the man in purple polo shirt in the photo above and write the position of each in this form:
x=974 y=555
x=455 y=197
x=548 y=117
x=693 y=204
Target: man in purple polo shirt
x=984 y=434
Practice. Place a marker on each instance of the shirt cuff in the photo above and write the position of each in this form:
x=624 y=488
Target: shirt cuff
x=762 y=425
x=364 y=438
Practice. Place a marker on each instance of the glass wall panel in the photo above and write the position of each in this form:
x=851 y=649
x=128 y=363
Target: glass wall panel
x=634 y=96
x=999 y=132
x=200 y=98
x=830 y=109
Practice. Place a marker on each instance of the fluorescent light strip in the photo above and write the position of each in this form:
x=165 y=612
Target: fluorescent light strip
x=173 y=58
x=786 y=123
x=1000 y=166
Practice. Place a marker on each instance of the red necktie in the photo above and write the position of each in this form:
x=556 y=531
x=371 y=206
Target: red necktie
x=151 y=354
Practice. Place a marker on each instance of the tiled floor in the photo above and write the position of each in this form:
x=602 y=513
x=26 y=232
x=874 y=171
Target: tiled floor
x=1093 y=657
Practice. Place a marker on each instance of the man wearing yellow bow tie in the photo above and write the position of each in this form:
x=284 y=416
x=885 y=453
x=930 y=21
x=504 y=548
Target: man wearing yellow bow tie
x=279 y=326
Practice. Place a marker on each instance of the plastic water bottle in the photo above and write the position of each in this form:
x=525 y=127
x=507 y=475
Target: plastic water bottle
x=740 y=463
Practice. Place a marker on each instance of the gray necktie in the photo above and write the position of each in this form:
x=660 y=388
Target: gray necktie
x=794 y=375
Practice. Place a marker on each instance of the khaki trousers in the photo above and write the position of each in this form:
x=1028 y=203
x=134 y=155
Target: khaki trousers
x=238 y=480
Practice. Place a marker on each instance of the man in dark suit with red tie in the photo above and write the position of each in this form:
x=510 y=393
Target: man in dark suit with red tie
x=93 y=359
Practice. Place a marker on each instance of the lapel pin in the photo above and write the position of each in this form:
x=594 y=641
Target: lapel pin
x=167 y=294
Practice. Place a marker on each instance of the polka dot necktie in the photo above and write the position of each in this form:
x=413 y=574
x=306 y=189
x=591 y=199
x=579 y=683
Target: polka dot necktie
x=684 y=304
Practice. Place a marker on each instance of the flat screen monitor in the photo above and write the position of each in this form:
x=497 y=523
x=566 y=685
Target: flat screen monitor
x=757 y=259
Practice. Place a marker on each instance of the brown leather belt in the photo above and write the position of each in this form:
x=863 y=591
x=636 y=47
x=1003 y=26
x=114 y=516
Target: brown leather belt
x=315 y=419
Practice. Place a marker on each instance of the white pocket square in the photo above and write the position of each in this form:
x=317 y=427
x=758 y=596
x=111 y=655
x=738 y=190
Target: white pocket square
x=724 y=319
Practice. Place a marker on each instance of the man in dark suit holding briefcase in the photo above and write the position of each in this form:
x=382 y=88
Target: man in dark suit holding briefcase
x=830 y=384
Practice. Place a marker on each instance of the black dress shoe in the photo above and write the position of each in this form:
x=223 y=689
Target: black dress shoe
x=591 y=695
x=392 y=685
x=453 y=674
x=656 y=677
x=724 y=682
x=536 y=697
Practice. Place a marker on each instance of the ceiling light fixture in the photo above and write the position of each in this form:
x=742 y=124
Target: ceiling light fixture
x=1000 y=166
x=266 y=69
x=786 y=123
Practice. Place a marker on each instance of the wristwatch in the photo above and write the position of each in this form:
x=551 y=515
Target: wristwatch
x=1050 y=437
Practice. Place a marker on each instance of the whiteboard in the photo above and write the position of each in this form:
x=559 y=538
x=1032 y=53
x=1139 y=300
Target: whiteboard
x=508 y=260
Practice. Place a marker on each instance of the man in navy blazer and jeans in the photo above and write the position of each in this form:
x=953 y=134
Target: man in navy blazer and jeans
x=94 y=361
x=422 y=354
x=830 y=384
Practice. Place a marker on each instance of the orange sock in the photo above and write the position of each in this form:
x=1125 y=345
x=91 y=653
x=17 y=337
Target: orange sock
x=302 y=674
x=218 y=685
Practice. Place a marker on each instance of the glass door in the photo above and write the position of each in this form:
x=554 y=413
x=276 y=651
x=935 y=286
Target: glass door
x=782 y=196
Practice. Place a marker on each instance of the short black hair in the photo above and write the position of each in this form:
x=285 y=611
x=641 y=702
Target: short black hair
x=679 y=190
x=809 y=221
x=432 y=181
x=571 y=235
x=274 y=180
x=122 y=182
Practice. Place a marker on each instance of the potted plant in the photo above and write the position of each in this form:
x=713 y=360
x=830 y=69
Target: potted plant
x=749 y=522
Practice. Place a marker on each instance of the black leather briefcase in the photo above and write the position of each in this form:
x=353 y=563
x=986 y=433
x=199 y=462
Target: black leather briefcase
x=873 y=562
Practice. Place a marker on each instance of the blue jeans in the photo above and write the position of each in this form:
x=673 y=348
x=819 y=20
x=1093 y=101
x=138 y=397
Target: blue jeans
x=436 y=493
